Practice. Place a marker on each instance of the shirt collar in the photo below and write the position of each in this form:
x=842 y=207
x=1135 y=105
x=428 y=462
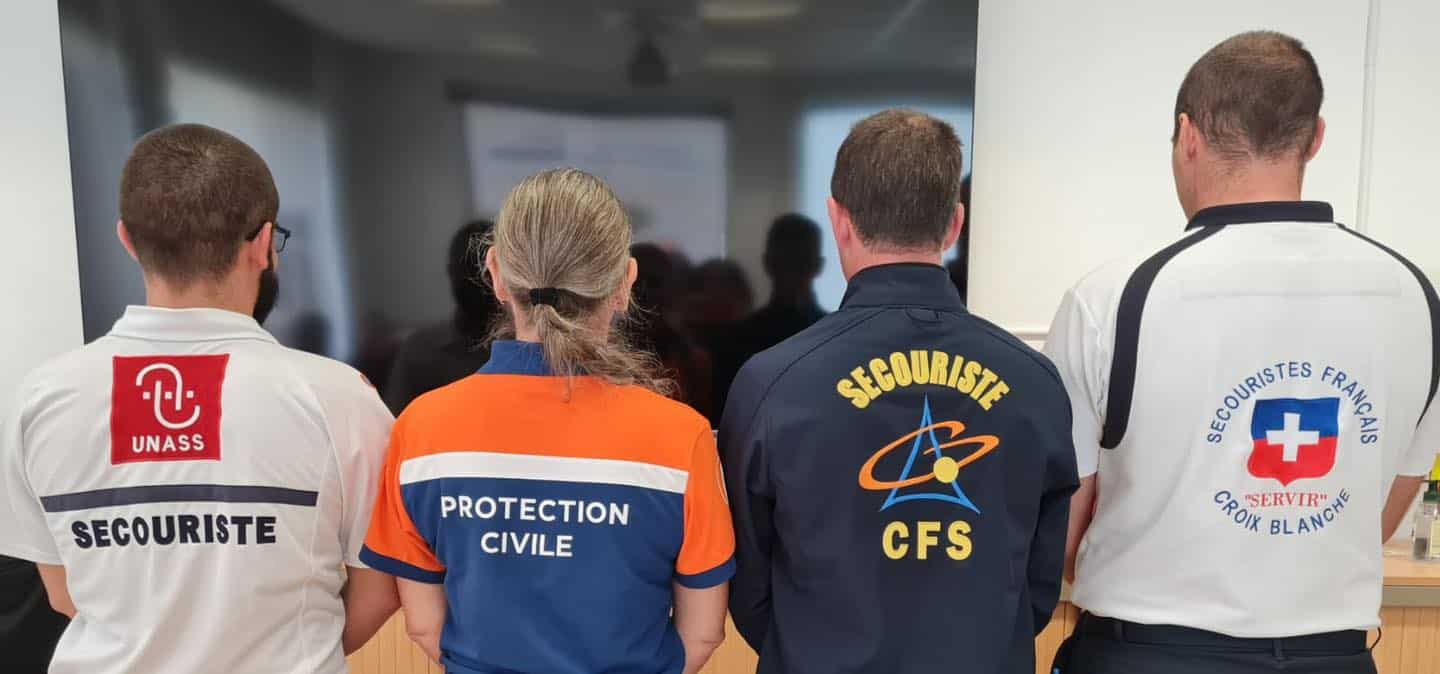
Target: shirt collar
x=903 y=284
x=508 y=356
x=158 y=324
x=1263 y=211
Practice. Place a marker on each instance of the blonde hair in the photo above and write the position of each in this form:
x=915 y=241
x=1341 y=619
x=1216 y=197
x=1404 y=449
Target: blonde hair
x=564 y=230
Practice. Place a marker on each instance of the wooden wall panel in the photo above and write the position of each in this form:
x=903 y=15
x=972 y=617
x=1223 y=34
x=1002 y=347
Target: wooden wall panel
x=1420 y=644
x=1411 y=645
x=1391 y=636
x=1060 y=627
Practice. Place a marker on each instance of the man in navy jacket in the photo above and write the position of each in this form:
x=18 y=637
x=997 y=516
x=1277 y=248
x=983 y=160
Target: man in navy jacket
x=900 y=472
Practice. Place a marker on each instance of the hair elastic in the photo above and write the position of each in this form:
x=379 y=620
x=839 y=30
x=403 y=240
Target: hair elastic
x=548 y=296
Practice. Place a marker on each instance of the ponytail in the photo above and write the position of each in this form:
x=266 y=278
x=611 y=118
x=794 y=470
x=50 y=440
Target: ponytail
x=572 y=348
x=562 y=242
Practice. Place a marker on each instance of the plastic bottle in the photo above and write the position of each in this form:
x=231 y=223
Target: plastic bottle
x=1427 y=526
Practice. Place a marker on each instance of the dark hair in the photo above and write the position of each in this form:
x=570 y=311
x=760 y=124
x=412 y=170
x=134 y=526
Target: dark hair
x=464 y=264
x=189 y=195
x=723 y=277
x=898 y=175
x=1256 y=94
x=793 y=235
x=792 y=252
x=656 y=277
x=464 y=259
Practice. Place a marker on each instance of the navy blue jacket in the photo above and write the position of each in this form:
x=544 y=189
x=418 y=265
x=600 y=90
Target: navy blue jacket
x=900 y=475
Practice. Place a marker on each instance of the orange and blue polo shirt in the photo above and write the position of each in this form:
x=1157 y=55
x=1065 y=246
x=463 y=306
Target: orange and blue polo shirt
x=556 y=513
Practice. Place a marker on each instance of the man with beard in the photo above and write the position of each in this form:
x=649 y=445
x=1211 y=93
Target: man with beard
x=189 y=489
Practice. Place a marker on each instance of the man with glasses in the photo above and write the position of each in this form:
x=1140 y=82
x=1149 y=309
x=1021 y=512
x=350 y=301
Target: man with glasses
x=189 y=488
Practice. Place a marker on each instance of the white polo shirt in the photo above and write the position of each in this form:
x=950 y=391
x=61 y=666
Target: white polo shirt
x=202 y=486
x=1247 y=395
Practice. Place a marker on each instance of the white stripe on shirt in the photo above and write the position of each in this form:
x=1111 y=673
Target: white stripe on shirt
x=554 y=468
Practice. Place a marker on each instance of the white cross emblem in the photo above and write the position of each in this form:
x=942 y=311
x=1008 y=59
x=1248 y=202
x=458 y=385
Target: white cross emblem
x=1292 y=438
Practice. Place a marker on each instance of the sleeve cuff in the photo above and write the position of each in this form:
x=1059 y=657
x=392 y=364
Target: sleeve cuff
x=399 y=569
x=1419 y=467
x=29 y=554
x=708 y=579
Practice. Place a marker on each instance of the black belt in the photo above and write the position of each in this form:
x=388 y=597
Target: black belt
x=1347 y=642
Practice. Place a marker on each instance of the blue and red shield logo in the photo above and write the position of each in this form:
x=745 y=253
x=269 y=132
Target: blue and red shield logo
x=1294 y=439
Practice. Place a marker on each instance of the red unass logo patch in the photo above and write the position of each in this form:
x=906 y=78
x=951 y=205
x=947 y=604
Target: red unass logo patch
x=166 y=408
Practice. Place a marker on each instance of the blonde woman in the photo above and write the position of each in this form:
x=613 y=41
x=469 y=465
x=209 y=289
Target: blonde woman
x=554 y=512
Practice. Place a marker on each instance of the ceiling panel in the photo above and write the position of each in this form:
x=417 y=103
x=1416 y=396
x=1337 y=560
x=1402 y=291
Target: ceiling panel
x=849 y=36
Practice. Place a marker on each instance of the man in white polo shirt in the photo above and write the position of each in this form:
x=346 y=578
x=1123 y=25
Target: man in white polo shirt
x=1244 y=401
x=189 y=488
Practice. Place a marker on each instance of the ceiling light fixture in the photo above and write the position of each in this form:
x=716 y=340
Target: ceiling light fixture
x=748 y=10
x=739 y=59
x=648 y=66
x=505 y=44
x=462 y=4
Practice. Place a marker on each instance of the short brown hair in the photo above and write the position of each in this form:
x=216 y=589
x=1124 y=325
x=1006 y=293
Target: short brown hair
x=189 y=195
x=1257 y=94
x=898 y=175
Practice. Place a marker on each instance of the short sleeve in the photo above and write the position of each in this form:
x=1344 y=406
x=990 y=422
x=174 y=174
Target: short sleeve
x=360 y=431
x=1419 y=457
x=707 y=556
x=1074 y=346
x=24 y=533
x=393 y=544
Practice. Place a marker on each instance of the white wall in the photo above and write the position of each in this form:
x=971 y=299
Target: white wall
x=823 y=128
x=293 y=136
x=1074 y=102
x=39 y=283
x=1405 y=141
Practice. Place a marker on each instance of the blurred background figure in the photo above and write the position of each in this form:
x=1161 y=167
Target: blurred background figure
x=959 y=266
x=311 y=333
x=445 y=352
x=29 y=628
x=719 y=298
x=378 y=338
x=792 y=261
x=661 y=275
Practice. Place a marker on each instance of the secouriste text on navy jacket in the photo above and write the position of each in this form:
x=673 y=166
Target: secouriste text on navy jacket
x=900 y=476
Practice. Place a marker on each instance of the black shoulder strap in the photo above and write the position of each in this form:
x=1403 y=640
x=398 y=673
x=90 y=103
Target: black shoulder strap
x=1431 y=300
x=1127 y=335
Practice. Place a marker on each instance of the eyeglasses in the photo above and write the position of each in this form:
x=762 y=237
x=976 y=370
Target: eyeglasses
x=279 y=238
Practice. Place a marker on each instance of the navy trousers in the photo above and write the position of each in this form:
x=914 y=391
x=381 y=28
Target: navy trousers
x=1100 y=646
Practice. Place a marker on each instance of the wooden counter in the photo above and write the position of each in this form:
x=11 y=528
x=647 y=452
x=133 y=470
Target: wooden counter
x=1410 y=617
x=1402 y=571
x=1410 y=620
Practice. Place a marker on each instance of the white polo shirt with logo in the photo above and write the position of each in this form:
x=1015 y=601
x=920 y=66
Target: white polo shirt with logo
x=1246 y=397
x=202 y=485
